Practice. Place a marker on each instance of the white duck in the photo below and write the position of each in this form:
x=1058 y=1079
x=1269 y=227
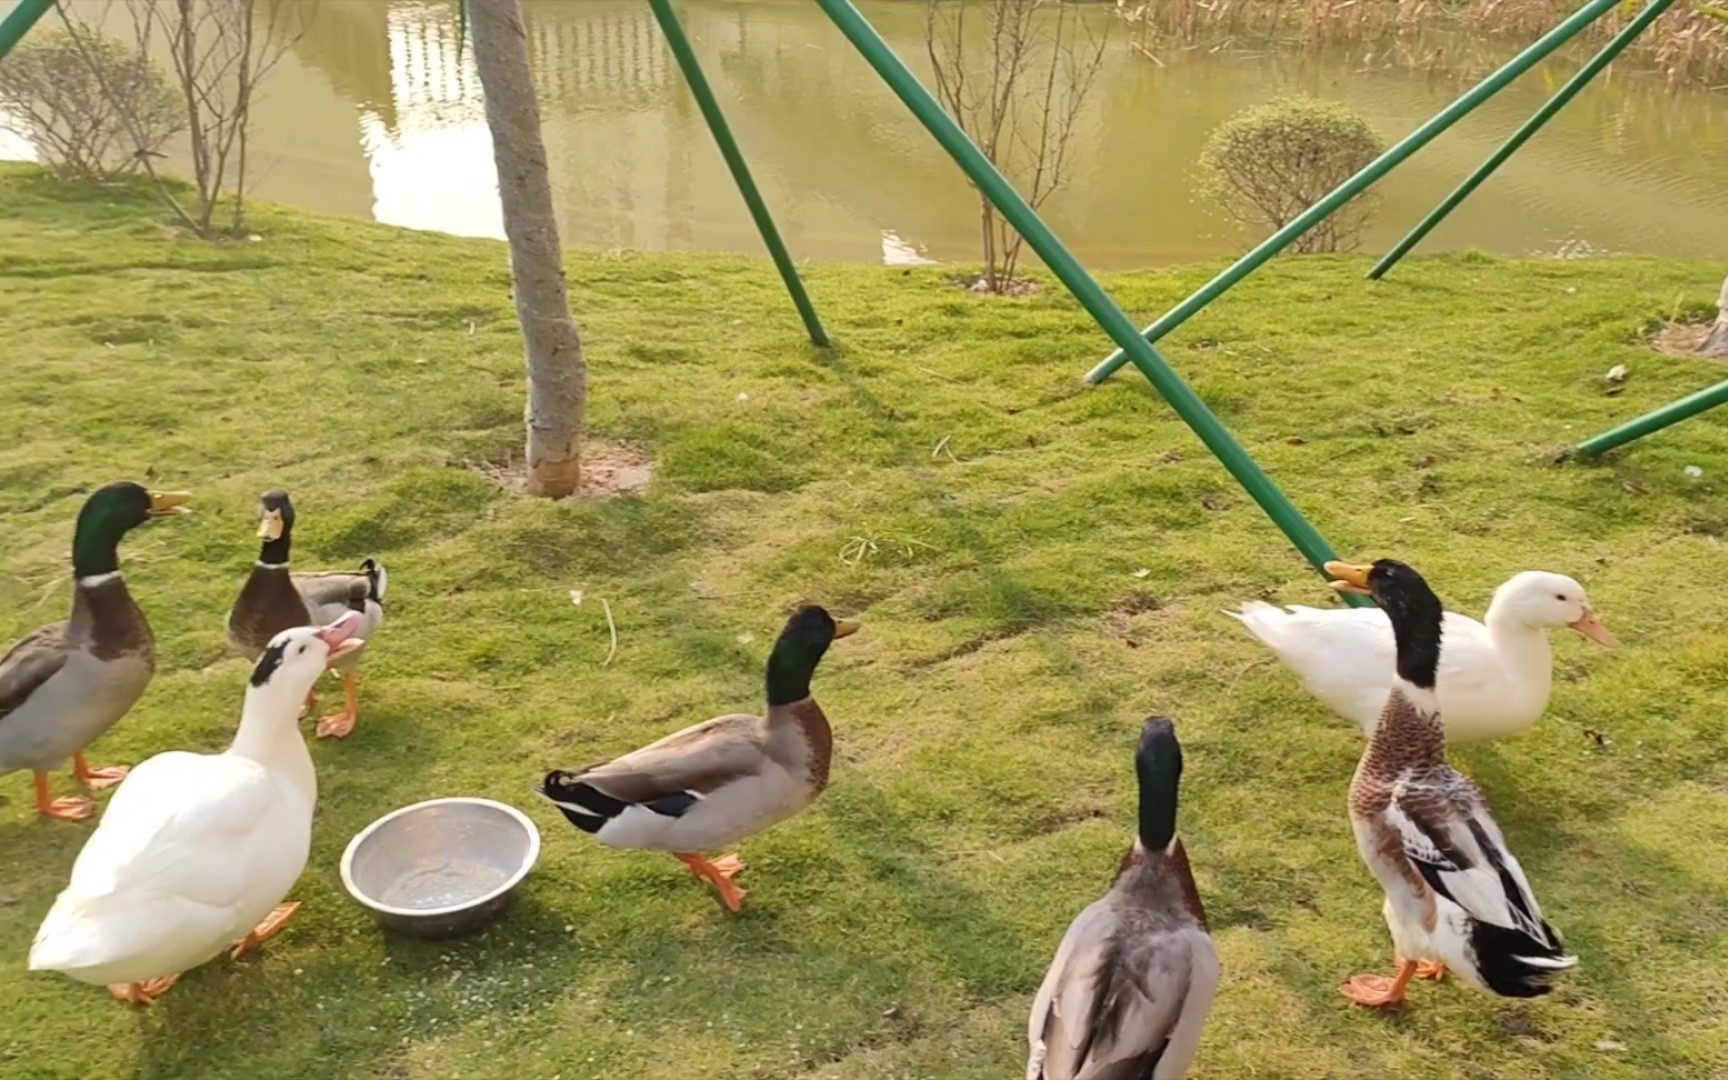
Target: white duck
x=1494 y=678
x=196 y=851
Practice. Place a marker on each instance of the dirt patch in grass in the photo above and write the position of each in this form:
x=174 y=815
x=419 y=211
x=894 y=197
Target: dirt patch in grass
x=979 y=286
x=1124 y=621
x=1684 y=339
x=608 y=471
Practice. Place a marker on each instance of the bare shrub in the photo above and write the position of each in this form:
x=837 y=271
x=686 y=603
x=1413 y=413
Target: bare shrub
x=52 y=88
x=1268 y=164
x=1017 y=90
x=219 y=52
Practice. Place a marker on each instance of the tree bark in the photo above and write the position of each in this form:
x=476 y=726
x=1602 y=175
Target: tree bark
x=557 y=372
x=1716 y=345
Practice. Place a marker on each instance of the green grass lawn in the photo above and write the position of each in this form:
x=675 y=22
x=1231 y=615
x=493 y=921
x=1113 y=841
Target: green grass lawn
x=1027 y=601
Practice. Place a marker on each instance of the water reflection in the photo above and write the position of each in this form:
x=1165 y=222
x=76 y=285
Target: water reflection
x=377 y=112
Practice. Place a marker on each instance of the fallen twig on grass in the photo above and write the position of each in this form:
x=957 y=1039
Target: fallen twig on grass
x=42 y=598
x=977 y=851
x=611 y=628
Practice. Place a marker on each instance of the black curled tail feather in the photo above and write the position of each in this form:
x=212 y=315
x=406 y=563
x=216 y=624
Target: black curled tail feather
x=585 y=806
x=1515 y=964
x=375 y=580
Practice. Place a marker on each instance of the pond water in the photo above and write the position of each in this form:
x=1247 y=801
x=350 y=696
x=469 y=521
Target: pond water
x=374 y=113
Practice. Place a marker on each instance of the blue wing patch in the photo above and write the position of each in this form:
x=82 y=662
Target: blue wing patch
x=674 y=805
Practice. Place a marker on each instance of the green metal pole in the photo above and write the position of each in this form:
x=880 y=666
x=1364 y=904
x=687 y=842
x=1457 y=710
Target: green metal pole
x=1086 y=290
x=1531 y=126
x=1354 y=186
x=710 y=107
x=19 y=21
x=1668 y=414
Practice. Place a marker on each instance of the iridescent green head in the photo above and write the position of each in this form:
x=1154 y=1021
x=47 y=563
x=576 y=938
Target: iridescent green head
x=802 y=643
x=108 y=515
x=1158 y=765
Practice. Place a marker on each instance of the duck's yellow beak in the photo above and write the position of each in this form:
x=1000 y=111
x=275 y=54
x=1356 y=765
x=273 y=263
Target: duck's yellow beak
x=845 y=628
x=1348 y=577
x=164 y=503
x=270 y=525
x=1591 y=627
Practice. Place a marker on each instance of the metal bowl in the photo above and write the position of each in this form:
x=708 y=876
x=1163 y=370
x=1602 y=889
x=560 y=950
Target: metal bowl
x=443 y=867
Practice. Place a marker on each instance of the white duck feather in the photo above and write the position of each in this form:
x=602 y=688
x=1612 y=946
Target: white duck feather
x=195 y=850
x=1495 y=677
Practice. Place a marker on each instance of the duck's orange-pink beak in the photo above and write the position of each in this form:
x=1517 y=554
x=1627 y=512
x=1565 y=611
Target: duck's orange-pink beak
x=1591 y=627
x=339 y=636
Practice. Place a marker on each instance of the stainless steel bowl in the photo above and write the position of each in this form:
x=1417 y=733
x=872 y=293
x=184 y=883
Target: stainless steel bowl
x=441 y=868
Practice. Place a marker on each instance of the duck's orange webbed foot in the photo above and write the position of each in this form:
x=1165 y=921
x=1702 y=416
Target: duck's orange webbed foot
x=341 y=725
x=70 y=808
x=264 y=931
x=143 y=993
x=719 y=874
x=1431 y=970
x=97 y=779
x=1379 y=992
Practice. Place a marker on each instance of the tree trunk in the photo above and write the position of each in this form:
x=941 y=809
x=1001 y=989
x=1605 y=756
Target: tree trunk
x=987 y=222
x=557 y=372
x=1716 y=345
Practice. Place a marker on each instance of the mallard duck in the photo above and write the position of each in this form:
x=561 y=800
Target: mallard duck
x=1134 y=977
x=719 y=781
x=198 y=851
x=1494 y=680
x=64 y=685
x=1456 y=898
x=274 y=599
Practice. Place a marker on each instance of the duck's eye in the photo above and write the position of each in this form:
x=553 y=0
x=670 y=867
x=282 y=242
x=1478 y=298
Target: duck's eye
x=1560 y=596
x=302 y=648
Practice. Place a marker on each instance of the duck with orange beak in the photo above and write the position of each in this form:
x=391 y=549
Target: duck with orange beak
x=1456 y=897
x=63 y=686
x=1494 y=681
x=719 y=781
x=274 y=599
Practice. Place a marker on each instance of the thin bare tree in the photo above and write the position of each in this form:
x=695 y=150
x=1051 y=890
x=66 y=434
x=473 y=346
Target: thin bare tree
x=557 y=372
x=1017 y=92
x=1716 y=344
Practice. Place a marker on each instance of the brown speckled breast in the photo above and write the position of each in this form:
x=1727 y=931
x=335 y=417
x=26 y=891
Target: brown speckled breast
x=1405 y=739
x=267 y=605
x=105 y=617
x=813 y=722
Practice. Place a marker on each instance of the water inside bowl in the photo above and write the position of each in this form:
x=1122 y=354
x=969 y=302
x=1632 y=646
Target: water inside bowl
x=428 y=887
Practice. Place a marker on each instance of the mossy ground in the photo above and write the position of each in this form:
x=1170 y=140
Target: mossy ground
x=1028 y=598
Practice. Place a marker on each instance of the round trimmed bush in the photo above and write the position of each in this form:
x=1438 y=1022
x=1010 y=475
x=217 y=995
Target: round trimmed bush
x=1267 y=164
